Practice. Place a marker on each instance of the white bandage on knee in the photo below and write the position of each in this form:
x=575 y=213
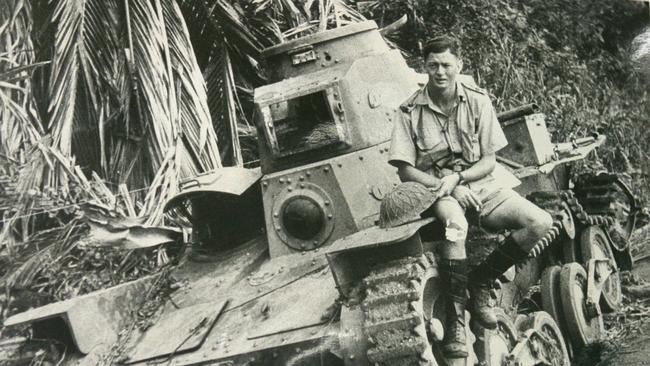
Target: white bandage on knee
x=454 y=232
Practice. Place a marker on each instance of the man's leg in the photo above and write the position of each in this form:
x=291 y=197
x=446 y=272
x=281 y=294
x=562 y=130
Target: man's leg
x=529 y=224
x=453 y=273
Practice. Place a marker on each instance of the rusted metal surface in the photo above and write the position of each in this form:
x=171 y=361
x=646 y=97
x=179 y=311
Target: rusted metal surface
x=177 y=332
x=94 y=319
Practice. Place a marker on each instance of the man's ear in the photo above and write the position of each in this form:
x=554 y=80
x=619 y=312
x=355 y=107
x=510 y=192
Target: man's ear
x=460 y=65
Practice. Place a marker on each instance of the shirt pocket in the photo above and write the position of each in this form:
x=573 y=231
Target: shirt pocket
x=427 y=139
x=471 y=146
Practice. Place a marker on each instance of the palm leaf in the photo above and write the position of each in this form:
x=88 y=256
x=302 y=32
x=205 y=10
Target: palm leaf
x=19 y=124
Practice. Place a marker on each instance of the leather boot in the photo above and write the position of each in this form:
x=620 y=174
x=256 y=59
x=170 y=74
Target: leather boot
x=483 y=276
x=481 y=304
x=454 y=277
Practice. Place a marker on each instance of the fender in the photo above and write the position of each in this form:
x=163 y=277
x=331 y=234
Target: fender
x=350 y=258
x=229 y=180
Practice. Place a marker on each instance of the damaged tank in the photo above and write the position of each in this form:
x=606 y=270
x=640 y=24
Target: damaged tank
x=288 y=262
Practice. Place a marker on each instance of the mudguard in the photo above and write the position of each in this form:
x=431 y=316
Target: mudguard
x=351 y=257
x=229 y=180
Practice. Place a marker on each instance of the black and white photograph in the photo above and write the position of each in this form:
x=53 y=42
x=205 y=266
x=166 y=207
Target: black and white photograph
x=325 y=182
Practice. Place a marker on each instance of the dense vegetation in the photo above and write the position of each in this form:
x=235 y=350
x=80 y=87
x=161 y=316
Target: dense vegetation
x=98 y=82
x=572 y=58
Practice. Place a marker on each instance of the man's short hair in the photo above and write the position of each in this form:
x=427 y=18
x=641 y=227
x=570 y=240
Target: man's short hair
x=440 y=44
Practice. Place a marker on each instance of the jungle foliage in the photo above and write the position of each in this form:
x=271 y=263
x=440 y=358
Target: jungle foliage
x=138 y=94
x=572 y=58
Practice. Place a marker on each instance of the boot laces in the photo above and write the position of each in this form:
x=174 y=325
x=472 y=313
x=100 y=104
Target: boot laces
x=457 y=330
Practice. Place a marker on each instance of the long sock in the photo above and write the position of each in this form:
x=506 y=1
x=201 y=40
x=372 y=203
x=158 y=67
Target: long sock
x=505 y=256
x=454 y=276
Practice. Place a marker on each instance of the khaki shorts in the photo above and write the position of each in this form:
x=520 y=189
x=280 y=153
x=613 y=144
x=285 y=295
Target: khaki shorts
x=492 y=201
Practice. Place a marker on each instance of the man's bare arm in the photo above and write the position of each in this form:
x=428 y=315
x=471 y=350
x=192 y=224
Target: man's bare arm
x=481 y=168
x=409 y=173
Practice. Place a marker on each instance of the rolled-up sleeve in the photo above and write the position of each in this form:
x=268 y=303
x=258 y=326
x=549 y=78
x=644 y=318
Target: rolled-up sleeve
x=402 y=147
x=491 y=136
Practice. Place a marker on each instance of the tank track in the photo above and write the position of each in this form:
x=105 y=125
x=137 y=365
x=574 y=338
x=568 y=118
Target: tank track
x=556 y=203
x=607 y=195
x=394 y=321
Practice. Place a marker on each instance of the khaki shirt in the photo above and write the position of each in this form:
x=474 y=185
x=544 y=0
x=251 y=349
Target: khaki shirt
x=429 y=140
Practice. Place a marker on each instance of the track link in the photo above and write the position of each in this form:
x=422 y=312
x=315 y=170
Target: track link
x=557 y=202
x=393 y=309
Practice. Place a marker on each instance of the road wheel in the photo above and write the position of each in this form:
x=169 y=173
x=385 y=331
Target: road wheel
x=595 y=245
x=584 y=326
x=541 y=342
x=493 y=346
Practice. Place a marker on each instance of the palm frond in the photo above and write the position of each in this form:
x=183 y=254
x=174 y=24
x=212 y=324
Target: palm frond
x=19 y=124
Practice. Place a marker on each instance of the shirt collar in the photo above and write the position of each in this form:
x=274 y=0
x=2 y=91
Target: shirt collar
x=423 y=96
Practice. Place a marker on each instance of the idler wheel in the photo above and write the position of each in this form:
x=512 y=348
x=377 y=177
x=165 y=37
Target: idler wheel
x=595 y=245
x=583 y=324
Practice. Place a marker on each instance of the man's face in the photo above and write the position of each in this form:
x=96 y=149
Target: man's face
x=442 y=69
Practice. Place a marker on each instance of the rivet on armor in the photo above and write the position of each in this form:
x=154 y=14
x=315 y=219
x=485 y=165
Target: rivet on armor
x=265 y=184
x=302 y=185
x=288 y=180
x=327 y=203
x=360 y=157
x=277 y=228
x=308 y=174
x=330 y=216
x=275 y=214
x=315 y=242
x=326 y=170
x=281 y=180
x=340 y=165
x=301 y=178
x=290 y=189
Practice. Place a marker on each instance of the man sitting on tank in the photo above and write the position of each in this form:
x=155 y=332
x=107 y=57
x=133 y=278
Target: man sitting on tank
x=445 y=137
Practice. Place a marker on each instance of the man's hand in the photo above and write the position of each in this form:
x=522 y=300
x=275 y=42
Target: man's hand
x=466 y=198
x=448 y=183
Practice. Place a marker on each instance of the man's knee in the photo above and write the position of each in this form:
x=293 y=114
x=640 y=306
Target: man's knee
x=456 y=229
x=539 y=223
